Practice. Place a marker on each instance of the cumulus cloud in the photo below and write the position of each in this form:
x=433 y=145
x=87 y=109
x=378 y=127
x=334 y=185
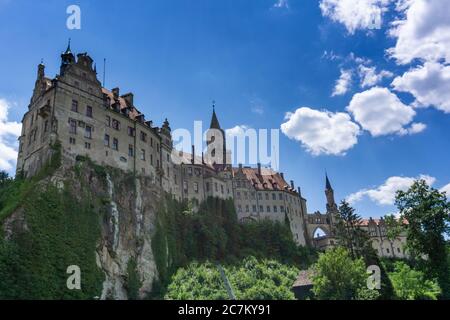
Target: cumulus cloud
x=429 y=84
x=355 y=14
x=9 y=132
x=321 y=132
x=343 y=83
x=422 y=32
x=446 y=189
x=238 y=130
x=385 y=193
x=370 y=77
x=381 y=112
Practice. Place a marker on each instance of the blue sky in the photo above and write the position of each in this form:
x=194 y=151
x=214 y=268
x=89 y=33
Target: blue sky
x=260 y=60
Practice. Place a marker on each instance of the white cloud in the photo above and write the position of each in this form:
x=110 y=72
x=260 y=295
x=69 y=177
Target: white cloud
x=370 y=77
x=355 y=14
x=446 y=189
x=343 y=83
x=281 y=4
x=9 y=132
x=321 y=132
x=381 y=112
x=429 y=84
x=238 y=130
x=385 y=193
x=423 y=32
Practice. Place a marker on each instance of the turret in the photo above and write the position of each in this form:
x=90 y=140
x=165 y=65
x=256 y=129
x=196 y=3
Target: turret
x=329 y=193
x=214 y=133
x=67 y=58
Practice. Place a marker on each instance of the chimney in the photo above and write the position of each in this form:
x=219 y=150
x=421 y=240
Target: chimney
x=259 y=168
x=282 y=175
x=292 y=185
x=128 y=97
x=193 y=154
x=240 y=166
x=116 y=92
x=299 y=190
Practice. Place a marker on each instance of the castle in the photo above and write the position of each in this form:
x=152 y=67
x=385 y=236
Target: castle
x=88 y=120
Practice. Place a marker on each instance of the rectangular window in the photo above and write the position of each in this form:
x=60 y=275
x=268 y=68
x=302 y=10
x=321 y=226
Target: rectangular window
x=151 y=142
x=72 y=140
x=45 y=125
x=282 y=208
x=151 y=159
x=73 y=126
x=130 y=150
x=87 y=145
x=259 y=196
x=185 y=186
x=89 y=111
x=108 y=121
x=261 y=208
x=268 y=208
x=267 y=196
x=207 y=187
x=195 y=187
x=131 y=131
x=280 y=196
x=274 y=196
x=239 y=208
x=238 y=195
x=216 y=187
x=143 y=136
x=190 y=171
x=115 y=144
x=275 y=209
x=143 y=154
x=247 y=209
x=106 y=140
x=254 y=208
x=115 y=124
x=221 y=188
x=88 y=132
x=74 y=107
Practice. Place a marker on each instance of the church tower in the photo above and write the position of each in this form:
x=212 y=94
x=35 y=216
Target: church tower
x=216 y=143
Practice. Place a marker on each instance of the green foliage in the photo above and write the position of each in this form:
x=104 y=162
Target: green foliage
x=410 y=284
x=251 y=279
x=133 y=281
x=350 y=235
x=428 y=214
x=214 y=233
x=60 y=231
x=336 y=276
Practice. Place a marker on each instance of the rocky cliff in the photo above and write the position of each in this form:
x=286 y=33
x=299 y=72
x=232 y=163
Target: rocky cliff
x=82 y=214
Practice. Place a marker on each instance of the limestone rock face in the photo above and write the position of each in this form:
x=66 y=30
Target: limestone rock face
x=126 y=208
x=126 y=234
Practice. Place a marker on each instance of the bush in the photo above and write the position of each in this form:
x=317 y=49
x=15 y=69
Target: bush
x=252 y=279
x=410 y=284
x=337 y=277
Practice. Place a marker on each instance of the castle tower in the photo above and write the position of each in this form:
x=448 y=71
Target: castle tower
x=332 y=208
x=216 y=143
x=67 y=58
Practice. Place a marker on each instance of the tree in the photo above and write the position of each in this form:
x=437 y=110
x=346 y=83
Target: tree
x=336 y=276
x=350 y=234
x=410 y=284
x=427 y=212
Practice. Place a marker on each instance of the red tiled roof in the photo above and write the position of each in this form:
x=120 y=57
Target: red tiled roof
x=267 y=180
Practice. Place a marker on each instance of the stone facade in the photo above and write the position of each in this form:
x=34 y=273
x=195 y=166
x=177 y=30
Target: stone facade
x=88 y=120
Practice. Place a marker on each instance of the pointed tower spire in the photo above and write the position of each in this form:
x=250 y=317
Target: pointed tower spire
x=327 y=183
x=214 y=121
x=68 y=48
